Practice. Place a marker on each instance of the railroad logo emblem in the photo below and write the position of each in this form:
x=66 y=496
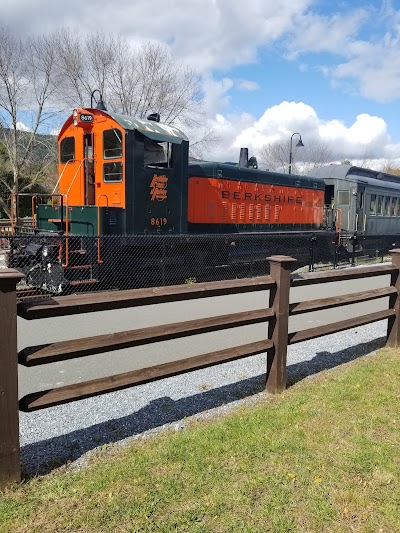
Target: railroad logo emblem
x=158 y=188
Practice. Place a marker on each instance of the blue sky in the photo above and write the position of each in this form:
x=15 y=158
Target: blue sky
x=328 y=69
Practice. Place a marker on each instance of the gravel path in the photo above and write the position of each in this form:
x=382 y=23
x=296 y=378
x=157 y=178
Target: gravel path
x=66 y=433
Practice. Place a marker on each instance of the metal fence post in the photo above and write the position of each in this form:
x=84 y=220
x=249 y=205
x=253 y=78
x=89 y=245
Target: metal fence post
x=10 y=467
x=393 y=329
x=280 y=269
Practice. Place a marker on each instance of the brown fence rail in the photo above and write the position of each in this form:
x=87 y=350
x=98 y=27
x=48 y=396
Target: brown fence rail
x=275 y=345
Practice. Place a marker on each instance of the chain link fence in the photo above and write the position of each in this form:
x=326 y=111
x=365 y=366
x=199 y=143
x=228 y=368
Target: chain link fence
x=59 y=264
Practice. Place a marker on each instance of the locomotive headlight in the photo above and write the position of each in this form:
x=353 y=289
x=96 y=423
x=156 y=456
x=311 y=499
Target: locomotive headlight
x=75 y=113
x=45 y=251
x=75 y=122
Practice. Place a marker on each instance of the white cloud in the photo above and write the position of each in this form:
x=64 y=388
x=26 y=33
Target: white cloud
x=366 y=136
x=316 y=33
x=216 y=95
x=22 y=127
x=207 y=33
x=369 y=67
x=248 y=85
x=219 y=34
x=374 y=67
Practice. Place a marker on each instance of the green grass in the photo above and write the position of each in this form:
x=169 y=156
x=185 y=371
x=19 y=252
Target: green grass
x=322 y=457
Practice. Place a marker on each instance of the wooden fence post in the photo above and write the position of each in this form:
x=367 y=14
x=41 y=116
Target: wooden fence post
x=10 y=466
x=393 y=330
x=280 y=268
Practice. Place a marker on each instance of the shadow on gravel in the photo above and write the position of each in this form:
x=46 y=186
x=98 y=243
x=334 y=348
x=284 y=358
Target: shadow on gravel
x=42 y=457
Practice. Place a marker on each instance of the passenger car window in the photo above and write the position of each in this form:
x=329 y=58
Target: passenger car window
x=387 y=206
x=372 y=204
x=393 y=210
x=343 y=197
x=379 y=209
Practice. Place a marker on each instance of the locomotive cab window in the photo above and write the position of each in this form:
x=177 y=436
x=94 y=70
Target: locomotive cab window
x=67 y=149
x=112 y=172
x=157 y=153
x=112 y=143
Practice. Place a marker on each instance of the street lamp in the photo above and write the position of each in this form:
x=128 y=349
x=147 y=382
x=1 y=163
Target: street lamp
x=300 y=143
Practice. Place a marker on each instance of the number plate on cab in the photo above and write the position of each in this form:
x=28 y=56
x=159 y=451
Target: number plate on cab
x=85 y=117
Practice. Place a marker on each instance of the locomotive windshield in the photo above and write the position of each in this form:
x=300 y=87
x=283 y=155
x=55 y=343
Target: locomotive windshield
x=67 y=149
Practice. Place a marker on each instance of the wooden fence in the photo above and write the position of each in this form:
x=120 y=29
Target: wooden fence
x=275 y=344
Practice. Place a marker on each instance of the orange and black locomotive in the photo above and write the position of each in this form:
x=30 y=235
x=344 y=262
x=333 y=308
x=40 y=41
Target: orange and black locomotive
x=127 y=177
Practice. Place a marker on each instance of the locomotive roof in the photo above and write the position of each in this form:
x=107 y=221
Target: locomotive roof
x=151 y=129
x=233 y=172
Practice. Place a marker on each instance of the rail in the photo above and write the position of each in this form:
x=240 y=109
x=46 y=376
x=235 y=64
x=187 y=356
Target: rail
x=277 y=314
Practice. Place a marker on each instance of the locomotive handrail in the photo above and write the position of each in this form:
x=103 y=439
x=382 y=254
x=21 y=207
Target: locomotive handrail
x=33 y=201
x=62 y=173
x=339 y=218
x=106 y=197
x=78 y=169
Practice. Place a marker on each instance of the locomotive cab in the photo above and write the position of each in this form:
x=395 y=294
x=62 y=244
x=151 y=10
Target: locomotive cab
x=118 y=175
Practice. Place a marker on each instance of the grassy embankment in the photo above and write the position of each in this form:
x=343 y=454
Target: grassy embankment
x=324 y=456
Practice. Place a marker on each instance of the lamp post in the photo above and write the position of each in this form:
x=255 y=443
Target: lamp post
x=300 y=143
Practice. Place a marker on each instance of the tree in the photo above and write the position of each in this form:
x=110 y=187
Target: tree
x=390 y=167
x=26 y=87
x=133 y=81
x=41 y=77
x=312 y=155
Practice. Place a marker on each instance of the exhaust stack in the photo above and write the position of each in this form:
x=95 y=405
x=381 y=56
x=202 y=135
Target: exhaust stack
x=244 y=157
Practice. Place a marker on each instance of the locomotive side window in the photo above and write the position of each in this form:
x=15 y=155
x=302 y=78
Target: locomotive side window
x=372 y=204
x=112 y=172
x=157 y=154
x=67 y=149
x=343 y=197
x=112 y=143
